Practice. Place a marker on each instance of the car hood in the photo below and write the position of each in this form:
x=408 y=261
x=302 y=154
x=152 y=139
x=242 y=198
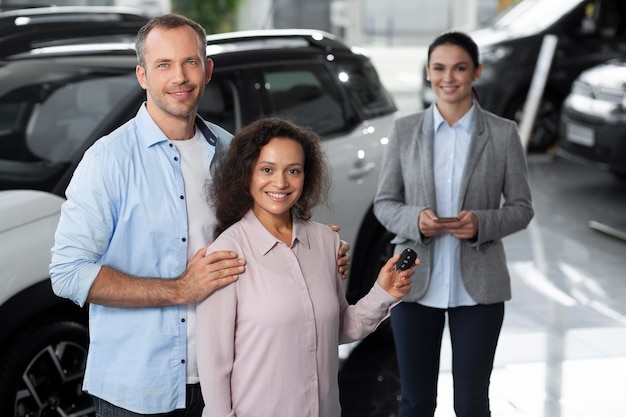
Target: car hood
x=20 y=207
x=610 y=75
x=487 y=37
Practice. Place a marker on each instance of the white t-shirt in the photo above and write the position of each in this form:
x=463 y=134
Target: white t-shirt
x=196 y=155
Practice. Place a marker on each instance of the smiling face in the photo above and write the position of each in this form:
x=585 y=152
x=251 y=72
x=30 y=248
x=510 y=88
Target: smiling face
x=277 y=179
x=451 y=73
x=174 y=74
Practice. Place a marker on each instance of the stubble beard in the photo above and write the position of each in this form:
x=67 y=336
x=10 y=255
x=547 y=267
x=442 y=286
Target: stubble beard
x=180 y=110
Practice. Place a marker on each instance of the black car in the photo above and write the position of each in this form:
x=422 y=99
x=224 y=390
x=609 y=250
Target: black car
x=67 y=77
x=589 y=32
x=593 y=123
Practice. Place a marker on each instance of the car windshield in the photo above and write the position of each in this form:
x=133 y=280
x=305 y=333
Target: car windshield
x=531 y=16
x=46 y=119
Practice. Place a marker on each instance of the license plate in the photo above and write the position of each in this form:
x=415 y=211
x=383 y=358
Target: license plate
x=580 y=135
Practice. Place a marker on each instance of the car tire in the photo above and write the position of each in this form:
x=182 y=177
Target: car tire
x=41 y=372
x=369 y=380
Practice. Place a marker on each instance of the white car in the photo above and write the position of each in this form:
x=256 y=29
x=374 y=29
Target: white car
x=59 y=95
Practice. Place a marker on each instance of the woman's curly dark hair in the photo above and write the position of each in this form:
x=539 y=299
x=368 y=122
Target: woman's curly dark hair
x=230 y=190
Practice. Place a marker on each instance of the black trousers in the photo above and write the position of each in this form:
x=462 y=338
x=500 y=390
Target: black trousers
x=474 y=333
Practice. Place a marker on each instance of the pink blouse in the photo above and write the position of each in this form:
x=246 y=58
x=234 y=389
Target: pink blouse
x=267 y=344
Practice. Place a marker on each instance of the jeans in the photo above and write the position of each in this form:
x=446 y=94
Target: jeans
x=194 y=403
x=474 y=333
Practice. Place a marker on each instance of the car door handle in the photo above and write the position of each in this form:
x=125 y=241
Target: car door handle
x=361 y=169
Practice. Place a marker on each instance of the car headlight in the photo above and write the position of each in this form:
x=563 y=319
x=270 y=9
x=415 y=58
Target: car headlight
x=495 y=54
x=582 y=88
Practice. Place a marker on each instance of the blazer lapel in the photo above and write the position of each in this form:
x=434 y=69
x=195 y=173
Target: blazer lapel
x=426 y=142
x=477 y=144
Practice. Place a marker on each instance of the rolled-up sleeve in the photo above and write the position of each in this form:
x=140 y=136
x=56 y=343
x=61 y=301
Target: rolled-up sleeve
x=83 y=233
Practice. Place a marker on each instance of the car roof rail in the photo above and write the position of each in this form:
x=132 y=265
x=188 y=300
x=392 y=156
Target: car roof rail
x=21 y=30
x=4 y=7
x=274 y=37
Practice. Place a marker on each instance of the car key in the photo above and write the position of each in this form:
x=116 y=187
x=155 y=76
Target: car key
x=407 y=259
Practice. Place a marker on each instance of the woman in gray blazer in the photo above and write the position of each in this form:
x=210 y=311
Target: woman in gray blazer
x=453 y=183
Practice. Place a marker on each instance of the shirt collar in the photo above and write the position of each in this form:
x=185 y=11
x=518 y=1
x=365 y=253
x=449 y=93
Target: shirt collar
x=147 y=129
x=464 y=122
x=265 y=241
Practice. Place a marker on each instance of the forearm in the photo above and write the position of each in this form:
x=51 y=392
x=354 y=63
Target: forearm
x=113 y=288
x=361 y=319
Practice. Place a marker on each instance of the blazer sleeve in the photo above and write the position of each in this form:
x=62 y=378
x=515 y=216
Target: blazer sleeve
x=397 y=210
x=516 y=211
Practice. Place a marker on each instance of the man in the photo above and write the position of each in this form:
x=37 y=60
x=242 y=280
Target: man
x=132 y=234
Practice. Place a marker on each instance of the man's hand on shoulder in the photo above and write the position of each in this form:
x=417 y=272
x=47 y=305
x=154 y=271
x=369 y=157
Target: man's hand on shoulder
x=343 y=258
x=208 y=273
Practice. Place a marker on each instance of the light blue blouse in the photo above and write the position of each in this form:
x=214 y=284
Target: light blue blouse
x=451 y=147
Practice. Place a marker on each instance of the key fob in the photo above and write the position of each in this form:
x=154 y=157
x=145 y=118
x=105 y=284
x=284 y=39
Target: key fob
x=407 y=259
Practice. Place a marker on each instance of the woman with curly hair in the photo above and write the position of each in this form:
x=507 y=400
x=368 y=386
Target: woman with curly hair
x=267 y=345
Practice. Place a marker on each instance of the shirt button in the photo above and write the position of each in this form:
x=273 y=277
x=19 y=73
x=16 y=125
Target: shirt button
x=171 y=145
x=182 y=320
x=175 y=158
x=184 y=239
x=182 y=197
x=182 y=361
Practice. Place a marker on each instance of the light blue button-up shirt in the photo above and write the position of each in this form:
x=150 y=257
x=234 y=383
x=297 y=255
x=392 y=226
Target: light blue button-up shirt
x=126 y=209
x=451 y=148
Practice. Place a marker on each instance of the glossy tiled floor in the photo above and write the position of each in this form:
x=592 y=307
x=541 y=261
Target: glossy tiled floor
x=562 y=351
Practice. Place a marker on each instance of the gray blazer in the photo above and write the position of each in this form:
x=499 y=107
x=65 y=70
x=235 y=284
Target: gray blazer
x=494 y=187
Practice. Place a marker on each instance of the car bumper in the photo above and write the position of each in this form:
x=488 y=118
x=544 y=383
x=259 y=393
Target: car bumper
x=594 y=138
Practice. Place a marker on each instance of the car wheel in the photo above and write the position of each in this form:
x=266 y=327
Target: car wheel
x=544 y=133
x=41 y=372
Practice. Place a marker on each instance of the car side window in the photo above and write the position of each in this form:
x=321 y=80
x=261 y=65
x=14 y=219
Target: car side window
x=612 y=19
x=61 y=123
x=305 y=96
x=52 y=122
x=220 y=104
x=365 y=89
x=604 y=19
